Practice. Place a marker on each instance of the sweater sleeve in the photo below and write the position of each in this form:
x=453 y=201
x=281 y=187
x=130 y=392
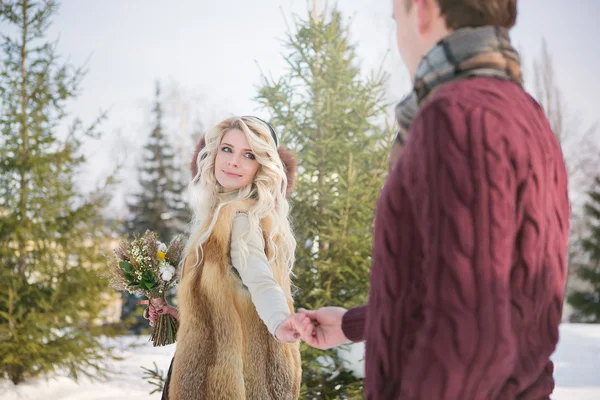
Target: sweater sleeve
x=257 y=274
x=458 y=198
x=353 y=323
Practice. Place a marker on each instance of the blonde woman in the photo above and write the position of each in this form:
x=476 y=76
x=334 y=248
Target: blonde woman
x=237 y=338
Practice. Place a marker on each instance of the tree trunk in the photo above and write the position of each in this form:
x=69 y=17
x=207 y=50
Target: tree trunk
x=16 y=375
x=22 y=240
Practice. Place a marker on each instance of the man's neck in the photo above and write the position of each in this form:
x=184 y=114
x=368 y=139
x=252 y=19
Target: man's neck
x=439 y=33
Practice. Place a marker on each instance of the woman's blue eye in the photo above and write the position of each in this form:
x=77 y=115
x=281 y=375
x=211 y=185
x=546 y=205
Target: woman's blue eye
x=227 y=149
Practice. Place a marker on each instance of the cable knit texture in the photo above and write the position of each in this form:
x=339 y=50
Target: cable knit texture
x=469 y=266
x=353 y=323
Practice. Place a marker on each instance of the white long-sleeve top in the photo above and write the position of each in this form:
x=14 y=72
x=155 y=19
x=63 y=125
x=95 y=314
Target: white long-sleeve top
x=267 y=296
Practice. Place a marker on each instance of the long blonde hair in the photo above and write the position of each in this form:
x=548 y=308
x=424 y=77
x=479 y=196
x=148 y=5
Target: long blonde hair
x=268 y=189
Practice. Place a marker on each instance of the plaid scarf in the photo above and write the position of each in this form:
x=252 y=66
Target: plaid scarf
x=466 y=52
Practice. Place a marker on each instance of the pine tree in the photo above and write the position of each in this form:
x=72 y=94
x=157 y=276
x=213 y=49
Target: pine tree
x=587 y=302
x=334 y=120
x=159 y=206
x=51 y=236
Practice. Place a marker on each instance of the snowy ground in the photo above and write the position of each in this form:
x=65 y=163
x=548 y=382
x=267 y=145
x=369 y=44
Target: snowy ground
x=577 y=372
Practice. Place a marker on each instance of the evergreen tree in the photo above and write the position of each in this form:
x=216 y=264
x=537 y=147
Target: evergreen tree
x=334 y=120
x=587 y=302
x=159 y=206
x=51 y=236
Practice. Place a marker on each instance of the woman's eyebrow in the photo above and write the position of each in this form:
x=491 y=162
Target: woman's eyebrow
x=230 y=145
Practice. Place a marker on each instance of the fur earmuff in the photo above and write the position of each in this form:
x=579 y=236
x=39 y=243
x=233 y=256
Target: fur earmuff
x=194 y=164
x=287 y=158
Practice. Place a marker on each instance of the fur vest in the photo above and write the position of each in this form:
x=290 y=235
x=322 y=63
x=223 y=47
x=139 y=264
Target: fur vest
x=224 y=350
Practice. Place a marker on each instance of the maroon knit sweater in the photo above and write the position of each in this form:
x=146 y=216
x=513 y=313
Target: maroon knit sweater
x=469 y=265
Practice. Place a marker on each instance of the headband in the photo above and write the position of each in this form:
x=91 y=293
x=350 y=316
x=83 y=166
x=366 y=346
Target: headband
x=273 y=134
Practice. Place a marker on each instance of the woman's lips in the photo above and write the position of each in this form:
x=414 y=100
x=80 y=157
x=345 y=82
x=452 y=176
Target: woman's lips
x=231 y=174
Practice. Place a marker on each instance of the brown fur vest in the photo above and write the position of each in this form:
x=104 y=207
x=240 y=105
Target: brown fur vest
x=224 y=350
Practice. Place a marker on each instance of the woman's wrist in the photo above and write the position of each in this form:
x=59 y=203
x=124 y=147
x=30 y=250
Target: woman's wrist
x=275 y=333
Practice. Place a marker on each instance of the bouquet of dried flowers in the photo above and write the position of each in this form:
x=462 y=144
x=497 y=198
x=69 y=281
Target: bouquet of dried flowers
x=147 y=267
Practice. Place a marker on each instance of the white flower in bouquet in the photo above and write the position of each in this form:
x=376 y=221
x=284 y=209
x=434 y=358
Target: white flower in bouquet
x=162 y=247
x=166 y=271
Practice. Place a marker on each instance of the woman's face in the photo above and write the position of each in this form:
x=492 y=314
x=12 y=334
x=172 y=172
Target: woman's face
x=235 y=164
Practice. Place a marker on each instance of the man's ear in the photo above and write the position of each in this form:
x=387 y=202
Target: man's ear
x=425 y=11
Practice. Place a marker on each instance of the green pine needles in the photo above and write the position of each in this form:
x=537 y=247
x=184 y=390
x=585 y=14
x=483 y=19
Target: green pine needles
x=51 y=235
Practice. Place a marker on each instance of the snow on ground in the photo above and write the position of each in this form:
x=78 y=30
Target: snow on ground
x=577 y=363
x=126 y=384
x=577 y=371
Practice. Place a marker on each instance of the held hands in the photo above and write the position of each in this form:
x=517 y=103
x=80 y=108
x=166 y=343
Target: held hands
x=157 y=307
x=321 y=329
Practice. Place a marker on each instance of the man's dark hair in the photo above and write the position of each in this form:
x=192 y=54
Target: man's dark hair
x=473 y=13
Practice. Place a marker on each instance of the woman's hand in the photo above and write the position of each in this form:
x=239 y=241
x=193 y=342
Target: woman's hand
x=158 y=307
x=286 y=331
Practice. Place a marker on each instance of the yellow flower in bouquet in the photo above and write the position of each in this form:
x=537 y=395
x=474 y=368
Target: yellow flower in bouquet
x=147 y=267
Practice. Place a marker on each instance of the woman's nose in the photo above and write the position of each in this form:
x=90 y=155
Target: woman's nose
x=234 y=161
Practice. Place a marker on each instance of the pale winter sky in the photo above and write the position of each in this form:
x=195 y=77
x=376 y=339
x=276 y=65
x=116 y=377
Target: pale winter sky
x=213 y=52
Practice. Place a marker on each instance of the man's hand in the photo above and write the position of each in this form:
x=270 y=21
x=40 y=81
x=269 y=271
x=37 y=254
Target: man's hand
x=322 y=328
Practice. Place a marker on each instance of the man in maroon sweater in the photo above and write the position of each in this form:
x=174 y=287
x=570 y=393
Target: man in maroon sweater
x=469 y=263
